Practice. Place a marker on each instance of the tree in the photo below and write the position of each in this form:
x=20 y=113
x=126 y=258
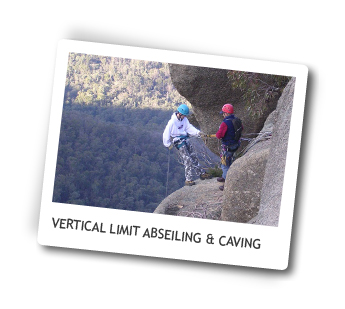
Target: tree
x=98 y=80
x=257 y=88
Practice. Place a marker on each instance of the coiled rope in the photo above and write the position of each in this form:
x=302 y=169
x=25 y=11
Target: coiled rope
x=253 y=141
x=208 y=162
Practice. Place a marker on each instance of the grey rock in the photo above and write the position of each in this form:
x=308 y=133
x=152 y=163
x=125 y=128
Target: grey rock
x=208 y=89
x=275 y=169
x=254 y=183
x=203 y=200
x=243 y=184
x=270 y=122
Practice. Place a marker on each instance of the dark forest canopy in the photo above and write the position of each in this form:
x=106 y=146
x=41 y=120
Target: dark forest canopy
x=114 y=158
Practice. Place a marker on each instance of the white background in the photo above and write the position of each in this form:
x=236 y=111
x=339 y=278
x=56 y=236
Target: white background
x=299 y=32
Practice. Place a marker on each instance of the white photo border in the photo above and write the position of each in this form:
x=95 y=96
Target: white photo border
x=274 y=241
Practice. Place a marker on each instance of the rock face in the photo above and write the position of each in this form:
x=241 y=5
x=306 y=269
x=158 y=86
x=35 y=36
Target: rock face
x=254 y=183
x=243 y=184
x=244 y=180
x=203 y=200
x=208 y=89
x=274 y=175
x=253 y=188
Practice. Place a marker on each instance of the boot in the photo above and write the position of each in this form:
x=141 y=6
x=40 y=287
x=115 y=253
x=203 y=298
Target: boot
x=221 y=188
x=220 y=179
x=189 y=183
x=204 y=176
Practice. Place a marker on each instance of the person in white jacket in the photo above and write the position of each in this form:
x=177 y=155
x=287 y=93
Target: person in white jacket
x=179 y=129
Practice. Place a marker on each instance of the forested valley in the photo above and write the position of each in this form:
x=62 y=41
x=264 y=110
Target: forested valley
x=114 y=157
x=109 y=81
x=110 y=148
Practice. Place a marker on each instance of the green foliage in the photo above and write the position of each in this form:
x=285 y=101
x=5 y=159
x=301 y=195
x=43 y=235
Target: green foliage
x=258 y=89
x=215 y=172
x=114 y=157
x=109 y=81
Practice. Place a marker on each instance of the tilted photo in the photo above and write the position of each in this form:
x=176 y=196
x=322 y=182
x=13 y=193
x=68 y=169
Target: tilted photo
x=173 y=139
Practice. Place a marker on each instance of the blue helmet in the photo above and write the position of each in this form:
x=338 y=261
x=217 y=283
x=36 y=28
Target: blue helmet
x=183 y=109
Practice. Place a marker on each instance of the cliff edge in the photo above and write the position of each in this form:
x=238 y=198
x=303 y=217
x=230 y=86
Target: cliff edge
x=254 y=183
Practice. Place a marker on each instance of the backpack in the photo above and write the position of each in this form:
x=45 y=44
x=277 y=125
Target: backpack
x=237 y=123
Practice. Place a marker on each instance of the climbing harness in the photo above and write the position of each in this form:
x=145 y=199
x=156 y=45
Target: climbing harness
x=201 y=151
x=180 y=141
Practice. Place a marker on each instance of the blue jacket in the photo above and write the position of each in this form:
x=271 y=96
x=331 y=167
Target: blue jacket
x=229 y=137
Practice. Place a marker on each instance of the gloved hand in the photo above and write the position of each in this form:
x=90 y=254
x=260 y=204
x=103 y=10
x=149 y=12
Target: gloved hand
x=202 y=134
x=171 y=146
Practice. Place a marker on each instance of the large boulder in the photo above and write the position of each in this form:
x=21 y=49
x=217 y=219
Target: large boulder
x=275 y=169
x=253 y=188
x=208 y=89
x=245 y=177
x=204 y=200
x=243 y=184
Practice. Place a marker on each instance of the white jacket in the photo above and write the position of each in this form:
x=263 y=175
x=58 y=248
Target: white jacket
x=176 y=128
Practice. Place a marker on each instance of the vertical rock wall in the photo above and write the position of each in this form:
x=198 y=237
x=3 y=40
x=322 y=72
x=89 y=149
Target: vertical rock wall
x=243 y=184
x=254 y=184
x=275 y=169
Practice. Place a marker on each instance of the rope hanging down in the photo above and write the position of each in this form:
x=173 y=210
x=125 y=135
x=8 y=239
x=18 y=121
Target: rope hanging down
x=166 y=186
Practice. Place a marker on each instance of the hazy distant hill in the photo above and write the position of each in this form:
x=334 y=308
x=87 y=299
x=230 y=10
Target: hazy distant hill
x=105 y=81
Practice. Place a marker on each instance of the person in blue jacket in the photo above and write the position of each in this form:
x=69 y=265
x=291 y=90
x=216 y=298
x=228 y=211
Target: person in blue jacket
x=229 y=132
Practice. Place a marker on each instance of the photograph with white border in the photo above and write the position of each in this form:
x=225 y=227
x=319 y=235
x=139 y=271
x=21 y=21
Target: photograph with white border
x=142 y=155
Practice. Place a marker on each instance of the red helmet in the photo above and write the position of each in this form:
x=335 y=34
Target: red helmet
x=228 y=108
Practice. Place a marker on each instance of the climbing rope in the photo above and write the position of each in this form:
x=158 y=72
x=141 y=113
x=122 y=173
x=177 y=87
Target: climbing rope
x=251 y=138
x=203 y=154
x=253 y=141
x=204 y=157
x=166 y=186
